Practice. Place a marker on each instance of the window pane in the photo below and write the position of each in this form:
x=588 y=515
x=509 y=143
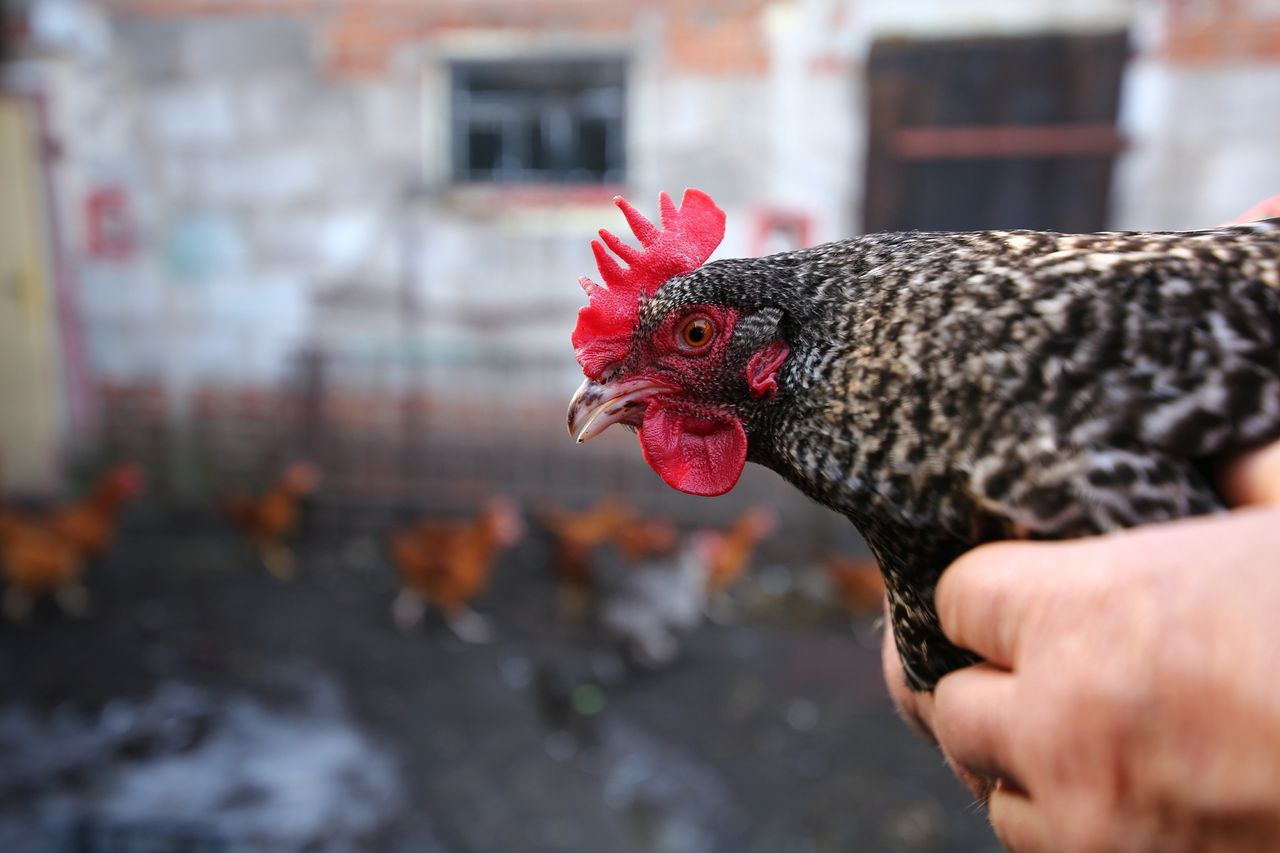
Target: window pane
x=539 y=121
x=538 y=155
x=484 y=151
x=592 y=148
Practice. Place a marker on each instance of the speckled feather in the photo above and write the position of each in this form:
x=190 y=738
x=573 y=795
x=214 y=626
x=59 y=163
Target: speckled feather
x=946 y=390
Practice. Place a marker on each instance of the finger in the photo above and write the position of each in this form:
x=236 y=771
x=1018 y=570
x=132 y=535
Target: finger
x=917 y=710
x=1253 y=478
x=974 y=720
x=1018 y=823
x=983 y=597
x=1261 y=210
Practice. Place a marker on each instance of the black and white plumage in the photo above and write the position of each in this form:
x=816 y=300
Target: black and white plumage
x=944 y=390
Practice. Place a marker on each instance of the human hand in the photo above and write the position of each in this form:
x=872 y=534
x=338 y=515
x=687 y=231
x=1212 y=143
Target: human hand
x=1262 y=210
x=1130 y=699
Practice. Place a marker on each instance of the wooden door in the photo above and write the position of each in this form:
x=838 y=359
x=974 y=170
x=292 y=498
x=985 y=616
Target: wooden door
x=30 y=412
x=993 y=133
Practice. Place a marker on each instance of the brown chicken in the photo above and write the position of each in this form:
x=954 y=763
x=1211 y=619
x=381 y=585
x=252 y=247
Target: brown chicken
x=857 y=583
x=90 y=525
x=448 y=563
x=44 y=553
x=37 y=561
x=577 y=535
x=737 y=544
x=645 y=539
x=268 y=520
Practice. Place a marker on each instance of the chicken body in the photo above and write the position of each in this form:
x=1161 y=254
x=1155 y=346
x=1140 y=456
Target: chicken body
x=732 y=552
x=39 y=562
x=942 y=390
x=46 y=552
x=649 y=595
x=857 y=583
x=269 y=519
x=951 y=390
x=90 y=525
x=37 y=559
x=578 y=535
x=448 y=563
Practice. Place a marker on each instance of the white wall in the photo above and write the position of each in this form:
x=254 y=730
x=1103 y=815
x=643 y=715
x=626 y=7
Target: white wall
x=260 y=183
x=1204 y=144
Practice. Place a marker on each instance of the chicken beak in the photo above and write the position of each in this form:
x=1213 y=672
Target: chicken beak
x=597 y=406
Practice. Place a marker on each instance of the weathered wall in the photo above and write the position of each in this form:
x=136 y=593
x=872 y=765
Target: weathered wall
x=289 y=182
x=1202 y=112
x=285 y=161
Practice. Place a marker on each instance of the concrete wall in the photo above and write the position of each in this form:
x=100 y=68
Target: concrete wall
x=286 y=163
x=282 y=203
x=1202 y=113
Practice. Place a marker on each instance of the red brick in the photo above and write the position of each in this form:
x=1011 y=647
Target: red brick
x=1215 y=31
x=717 y=37
x=709 y=37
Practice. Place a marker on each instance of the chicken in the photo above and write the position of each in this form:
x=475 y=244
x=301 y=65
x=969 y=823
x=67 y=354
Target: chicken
x=90 y=525
x=448 y=563
x=735 y=547
x=46 y=552
x=644 y=538
x=269 y=519
x=857 y=583
x=37 y=561
x=651 y=593
x=940 y=390
x=577 y=535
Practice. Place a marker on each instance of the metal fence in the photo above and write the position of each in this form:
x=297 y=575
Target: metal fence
x=388 y=443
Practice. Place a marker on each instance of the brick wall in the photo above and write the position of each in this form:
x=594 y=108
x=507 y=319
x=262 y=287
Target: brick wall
x=362 y=36
x=1218 y=31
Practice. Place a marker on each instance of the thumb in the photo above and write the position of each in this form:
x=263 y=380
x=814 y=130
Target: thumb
x=1261 y=210
x=1253 y=478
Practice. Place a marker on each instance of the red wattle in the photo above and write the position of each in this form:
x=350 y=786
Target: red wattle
x=697 y=454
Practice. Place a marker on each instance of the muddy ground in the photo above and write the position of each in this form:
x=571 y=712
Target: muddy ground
x=205 y=705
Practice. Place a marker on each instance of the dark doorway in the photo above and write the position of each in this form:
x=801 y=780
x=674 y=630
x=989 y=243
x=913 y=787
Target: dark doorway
x=993 y=133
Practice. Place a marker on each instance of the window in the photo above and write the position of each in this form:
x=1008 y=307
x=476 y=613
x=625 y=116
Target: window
x=539 y=122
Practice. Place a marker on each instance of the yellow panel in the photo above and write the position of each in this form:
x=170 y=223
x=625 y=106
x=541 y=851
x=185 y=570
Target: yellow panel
x=30 y=415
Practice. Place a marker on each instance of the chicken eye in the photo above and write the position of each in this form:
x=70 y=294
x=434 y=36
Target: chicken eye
x=697 y=333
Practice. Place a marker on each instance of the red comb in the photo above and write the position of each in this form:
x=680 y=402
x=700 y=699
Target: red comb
x=687 y=238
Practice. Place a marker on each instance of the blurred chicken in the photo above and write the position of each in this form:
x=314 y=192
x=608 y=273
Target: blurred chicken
x=649 y=594
x=448 y=563
x=857 y=583
x=269 y=519
x=37 y=561
x=737 y=544
x=89 y=526
x=577 y=537
x=46 y=552
x=645 y=539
